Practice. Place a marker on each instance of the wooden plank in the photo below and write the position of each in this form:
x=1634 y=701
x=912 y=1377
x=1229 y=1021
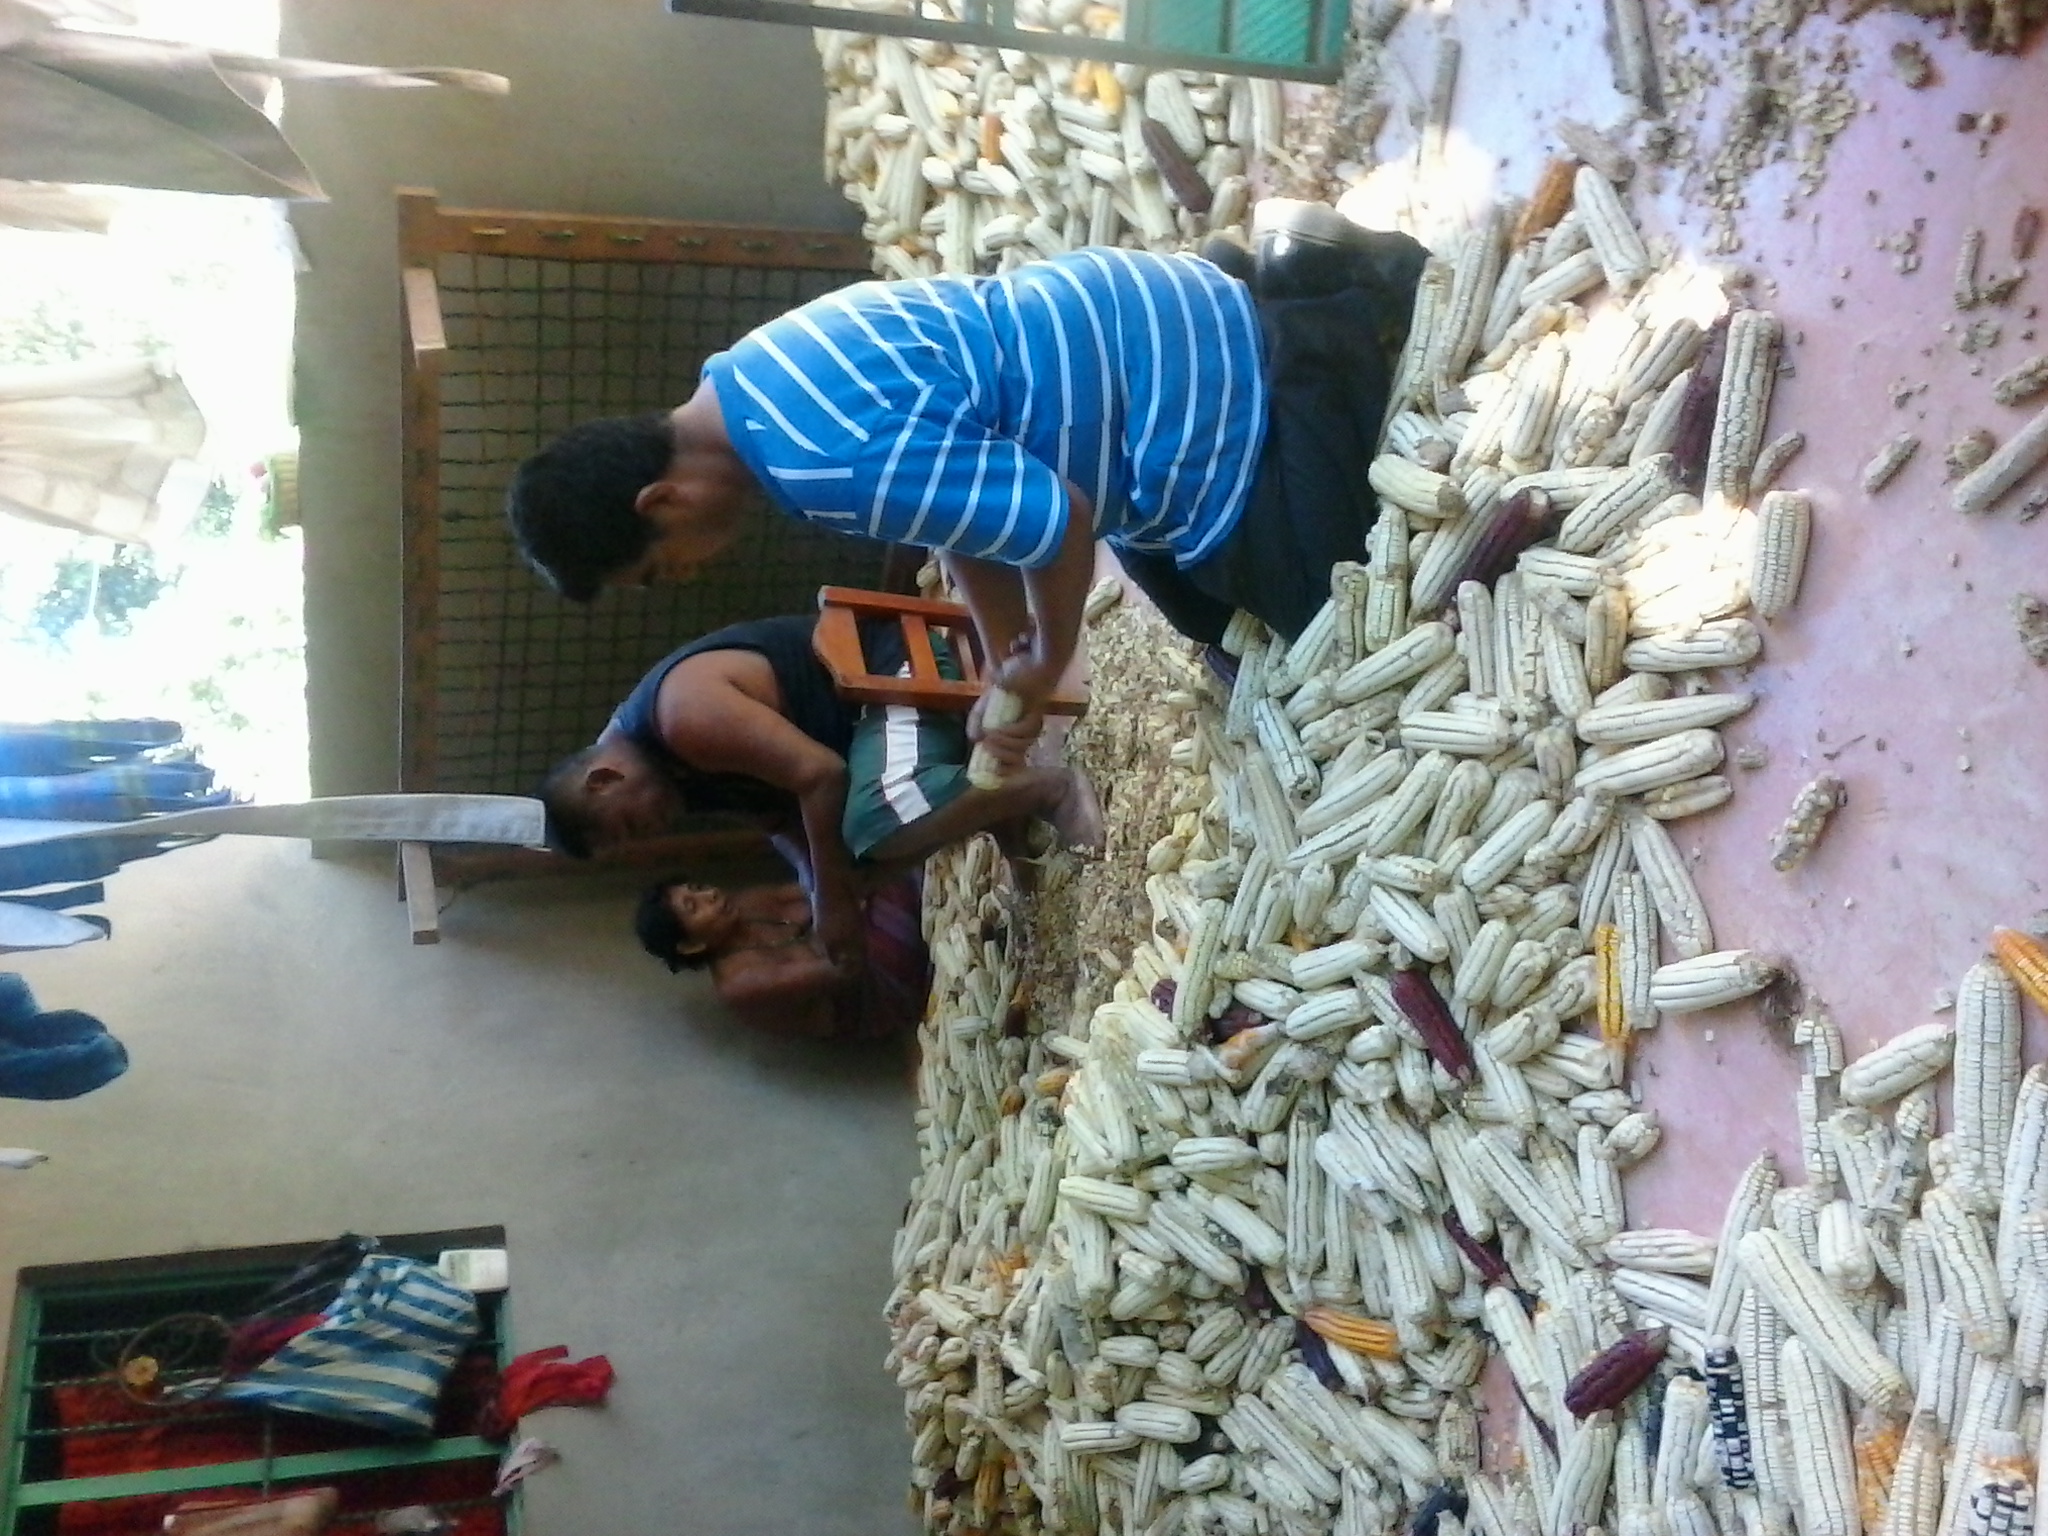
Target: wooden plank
x=416 y=885
x=889 y=604
x=423 y=314
x=607 y=237
x=419 y=508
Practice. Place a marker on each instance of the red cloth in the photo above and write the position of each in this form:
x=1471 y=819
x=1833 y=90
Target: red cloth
x=253 y=1343
x=544 y=1378
x=152 y=1440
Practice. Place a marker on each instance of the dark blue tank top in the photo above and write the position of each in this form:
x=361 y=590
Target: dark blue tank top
x=808 y=701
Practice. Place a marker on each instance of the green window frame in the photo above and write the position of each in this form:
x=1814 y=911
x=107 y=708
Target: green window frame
x=121 y=1295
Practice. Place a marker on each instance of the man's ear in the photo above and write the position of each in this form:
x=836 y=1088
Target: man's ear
x=691 y=947
x=659 y=504
x=601 y=777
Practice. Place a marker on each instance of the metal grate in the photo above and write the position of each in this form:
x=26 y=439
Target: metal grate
x=79 y=1456
x=534 y=347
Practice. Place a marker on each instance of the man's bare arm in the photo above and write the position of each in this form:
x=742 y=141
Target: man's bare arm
x=788 y=990
x=716 y=725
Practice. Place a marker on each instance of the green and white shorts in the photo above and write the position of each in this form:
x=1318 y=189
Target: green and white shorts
x=904 y=764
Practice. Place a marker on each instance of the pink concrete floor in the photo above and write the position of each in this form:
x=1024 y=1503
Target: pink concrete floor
x=1899 y=662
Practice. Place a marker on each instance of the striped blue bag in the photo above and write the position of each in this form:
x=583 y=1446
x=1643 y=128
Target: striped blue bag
x=379 y=1354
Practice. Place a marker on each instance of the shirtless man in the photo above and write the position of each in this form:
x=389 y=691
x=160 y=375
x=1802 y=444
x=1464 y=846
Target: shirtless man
x=756 y=944
x=746 y=720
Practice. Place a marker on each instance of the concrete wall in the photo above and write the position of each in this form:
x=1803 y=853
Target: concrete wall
x=711 y=1210
x=616 y=107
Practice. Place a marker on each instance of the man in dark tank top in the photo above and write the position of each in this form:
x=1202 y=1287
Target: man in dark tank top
x=746 y=720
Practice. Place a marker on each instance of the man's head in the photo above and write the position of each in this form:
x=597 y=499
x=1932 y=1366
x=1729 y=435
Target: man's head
x=610 y=792
x=617 y=503
x=685 y=926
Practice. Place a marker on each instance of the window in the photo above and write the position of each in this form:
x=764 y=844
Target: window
x=83 y=1458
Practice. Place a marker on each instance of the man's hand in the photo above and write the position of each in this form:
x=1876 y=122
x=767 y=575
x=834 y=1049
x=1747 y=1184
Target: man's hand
x=839 y=931
x=1028 y=677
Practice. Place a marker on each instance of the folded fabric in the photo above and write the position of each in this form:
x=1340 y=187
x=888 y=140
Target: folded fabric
x=55 y=1054
x=544 y=1378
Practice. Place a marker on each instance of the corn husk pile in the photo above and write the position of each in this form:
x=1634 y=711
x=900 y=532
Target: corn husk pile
x=974 y=160
x=1213 y=1256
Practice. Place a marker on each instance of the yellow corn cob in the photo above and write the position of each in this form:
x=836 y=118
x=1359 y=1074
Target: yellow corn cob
x=2023 y=958
x=1876 y=1446
x=1613 y=1019
x=1355 y=1331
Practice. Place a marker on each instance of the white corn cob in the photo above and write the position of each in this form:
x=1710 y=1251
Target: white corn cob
x=1402 y=813
x=1564 y=669
x=1669 y=1298
x=1213 y=1154
x=1585 y=1463
x=1432 y=300
x=1747 y=378
x=1987 y=1080
x=1436 y=569
x=2024 y=1188
x=1824 y=1469
x=1679 y=907
x=1118 y=1201
x=1527 y=422
x=1480 y=733
x=1716 y=643
x=1620 y=724
x=1599 y=518
x=1845 y=1253
x=1675 y=802
x=1567 y=279
x=1984 y=486
x=1819 y=1316
x=1410 y=925
x=1510 y=1178
x=1465 y=792
x=1969 y=1272
x=1616 y=242
x=1599 y=1185
x=1095 y=1438
x=1282 y=748
x=1913 y=1502
x=1653 y=764
x=1710 y=980
x=1784 y=528
x=1668 y=1250
x=1893 y=1069
x=1423 y=492
x=1413 y=654
x=1003 y=708
x=1660 y=361
x=1496 y=858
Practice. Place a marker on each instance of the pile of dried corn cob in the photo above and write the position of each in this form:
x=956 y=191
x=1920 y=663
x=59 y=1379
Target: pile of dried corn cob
x=1872 y=1344
x=973 y=160
x=1226 y=1255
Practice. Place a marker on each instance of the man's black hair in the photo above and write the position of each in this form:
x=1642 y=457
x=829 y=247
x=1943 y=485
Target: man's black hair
x=571 y=505
x=569 y=822
x=661 y=932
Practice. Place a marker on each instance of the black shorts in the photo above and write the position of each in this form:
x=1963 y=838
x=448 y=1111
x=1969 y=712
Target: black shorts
x=1330 y=368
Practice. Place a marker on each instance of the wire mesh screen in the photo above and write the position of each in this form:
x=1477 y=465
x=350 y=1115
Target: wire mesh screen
x=535 y=346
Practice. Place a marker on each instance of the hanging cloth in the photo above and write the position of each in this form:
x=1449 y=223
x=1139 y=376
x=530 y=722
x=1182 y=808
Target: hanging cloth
x=379 y=1354
x=91 y=446
x=66 y=746
x=116 y=110
x=117 y=792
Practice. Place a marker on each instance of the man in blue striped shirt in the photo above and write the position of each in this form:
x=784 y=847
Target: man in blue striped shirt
x=1152 y=401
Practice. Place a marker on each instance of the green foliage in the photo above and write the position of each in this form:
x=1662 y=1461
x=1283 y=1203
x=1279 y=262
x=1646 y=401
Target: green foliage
x=113 y=592
x=215 y=518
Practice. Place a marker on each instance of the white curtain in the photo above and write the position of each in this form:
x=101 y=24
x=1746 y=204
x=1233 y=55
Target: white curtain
x=91 y=446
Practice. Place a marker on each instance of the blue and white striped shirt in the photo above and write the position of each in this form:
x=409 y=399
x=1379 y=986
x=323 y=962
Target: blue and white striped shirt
x=947 y=412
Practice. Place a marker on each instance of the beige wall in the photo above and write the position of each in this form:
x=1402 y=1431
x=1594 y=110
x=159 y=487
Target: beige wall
x=616 y=107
